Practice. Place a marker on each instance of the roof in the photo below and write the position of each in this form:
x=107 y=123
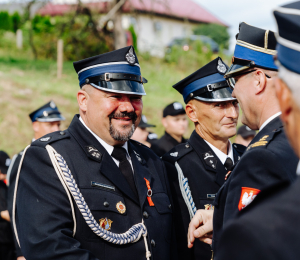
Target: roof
x=179 y=9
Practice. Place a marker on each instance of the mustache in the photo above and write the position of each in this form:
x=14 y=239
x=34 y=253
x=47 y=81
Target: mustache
x=131 y=115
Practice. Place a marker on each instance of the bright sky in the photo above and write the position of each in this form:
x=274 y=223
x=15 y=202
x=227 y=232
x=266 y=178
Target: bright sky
x=255 y=12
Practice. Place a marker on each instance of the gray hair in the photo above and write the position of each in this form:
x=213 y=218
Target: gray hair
x=291 y=79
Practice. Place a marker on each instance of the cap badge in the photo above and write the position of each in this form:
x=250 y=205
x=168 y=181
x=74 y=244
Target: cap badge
x=177 y=106
x=45 y=139
x=45 y=113
x=52 y=104
x=105 y=223
x=7 y=162
x=174 y=154
x=144 y=118
x=221 y=67
x=130 y=57
x=121 y=207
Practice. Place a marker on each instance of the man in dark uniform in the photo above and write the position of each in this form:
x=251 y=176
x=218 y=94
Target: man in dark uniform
x=198 y=168
x=175 y=123
x=269 y=158
x=7 y=248
x=270 y=225
x=45 y=120
x=123 y=208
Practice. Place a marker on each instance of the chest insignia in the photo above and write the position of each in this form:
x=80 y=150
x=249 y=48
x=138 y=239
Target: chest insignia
x=105 y=223
x=121 y=207
x=210 y=160
x=93 y=152
x=247 y=196
x=209 y=207
x=174 y=154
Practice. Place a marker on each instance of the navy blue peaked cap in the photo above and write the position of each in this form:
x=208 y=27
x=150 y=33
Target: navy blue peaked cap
x=116 y=71
x=288 y=37
x=46 y=113
x=206 y=84
x=255 y=47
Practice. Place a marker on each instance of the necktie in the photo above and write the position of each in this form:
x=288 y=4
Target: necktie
x=119 y=153
x=228 y=164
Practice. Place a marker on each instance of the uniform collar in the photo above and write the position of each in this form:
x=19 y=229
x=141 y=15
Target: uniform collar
x=222 y=156
x=109 y=148
x=269 y=120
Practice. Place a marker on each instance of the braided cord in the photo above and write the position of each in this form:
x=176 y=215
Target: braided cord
x=186 y=191
x=131 y=236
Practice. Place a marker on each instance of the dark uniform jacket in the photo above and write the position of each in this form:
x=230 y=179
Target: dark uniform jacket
x=206 y=174
x=165 y=144
x=268 y=229
x=10 y=192
x=268 y=159
x=43 y=214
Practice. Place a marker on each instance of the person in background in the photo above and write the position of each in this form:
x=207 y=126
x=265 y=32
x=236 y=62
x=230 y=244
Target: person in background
x=141 y=133
x=175 y=123
x=45 y=120
x=244 y=135
x=7 y=248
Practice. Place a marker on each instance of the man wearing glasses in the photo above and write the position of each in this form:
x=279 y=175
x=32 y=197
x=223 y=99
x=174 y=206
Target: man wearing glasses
x=269 y=157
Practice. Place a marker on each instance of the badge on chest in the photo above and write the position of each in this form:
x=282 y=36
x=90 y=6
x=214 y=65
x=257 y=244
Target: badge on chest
x=210 y=159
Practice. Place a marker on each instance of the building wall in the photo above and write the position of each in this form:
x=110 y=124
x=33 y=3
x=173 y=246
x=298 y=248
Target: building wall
x=155 y=33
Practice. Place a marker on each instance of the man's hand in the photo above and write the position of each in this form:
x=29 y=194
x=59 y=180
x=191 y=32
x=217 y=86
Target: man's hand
x=201 y=226
x=5 y=215
x=21 y=258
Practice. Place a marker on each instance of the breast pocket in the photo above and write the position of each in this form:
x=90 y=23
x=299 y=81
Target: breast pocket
x=164 y=208
x=108 y=209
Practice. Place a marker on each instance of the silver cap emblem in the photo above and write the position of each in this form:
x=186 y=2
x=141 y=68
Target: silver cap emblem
x=221 y=67
x=130 y=57
x=52 y=104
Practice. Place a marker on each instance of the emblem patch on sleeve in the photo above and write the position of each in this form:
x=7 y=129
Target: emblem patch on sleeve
x=247 y=196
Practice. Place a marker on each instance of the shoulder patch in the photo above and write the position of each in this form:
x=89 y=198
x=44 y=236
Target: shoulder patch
x=51 y=138
x=177 y=152
x=264 y=141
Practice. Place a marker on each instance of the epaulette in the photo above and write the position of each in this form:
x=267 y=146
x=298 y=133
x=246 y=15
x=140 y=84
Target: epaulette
x=51 y=138
x=265 y=140
x=177 y=152
x=239 y=148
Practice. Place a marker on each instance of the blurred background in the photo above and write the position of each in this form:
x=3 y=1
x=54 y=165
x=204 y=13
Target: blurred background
x=39 y=40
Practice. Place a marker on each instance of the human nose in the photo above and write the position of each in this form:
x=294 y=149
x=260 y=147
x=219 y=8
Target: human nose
x=126 y=105
x=232 y=112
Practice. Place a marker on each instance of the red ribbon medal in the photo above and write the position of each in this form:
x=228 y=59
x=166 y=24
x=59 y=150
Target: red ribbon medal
x=149 y=193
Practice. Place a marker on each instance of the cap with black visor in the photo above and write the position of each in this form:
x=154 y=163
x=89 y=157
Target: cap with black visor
x=255 y=48
x=116 y=71
x=206 y=84
x=47 y=113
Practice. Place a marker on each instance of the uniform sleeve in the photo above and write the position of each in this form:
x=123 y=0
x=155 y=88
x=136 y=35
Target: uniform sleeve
x=43 y=214
x=257 y=169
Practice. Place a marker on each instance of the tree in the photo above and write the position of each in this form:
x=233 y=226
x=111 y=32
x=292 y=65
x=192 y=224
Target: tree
x=217 y=32
x=5 y=19
x=16 y=21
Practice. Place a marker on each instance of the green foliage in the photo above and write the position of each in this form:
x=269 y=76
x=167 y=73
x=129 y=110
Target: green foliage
x=134 y=37
x=42 y=24
x=5 y=21
x=16 y=21
x=217 y=32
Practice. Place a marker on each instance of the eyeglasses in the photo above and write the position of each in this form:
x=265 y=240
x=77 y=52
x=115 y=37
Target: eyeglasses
x=231 y=81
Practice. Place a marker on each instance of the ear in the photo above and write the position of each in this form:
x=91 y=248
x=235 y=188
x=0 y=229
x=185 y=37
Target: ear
x=164 y=122
x=82 y=97
x=191 y=112
x=284 y=96
x=36 y=126
x=260 y=81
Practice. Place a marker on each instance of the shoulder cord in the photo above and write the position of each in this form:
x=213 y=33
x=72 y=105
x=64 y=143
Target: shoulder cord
x=185 y=191
x=131 y=236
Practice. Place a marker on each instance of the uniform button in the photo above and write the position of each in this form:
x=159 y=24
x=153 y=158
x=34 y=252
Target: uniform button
x=170 y=206
x=235 y=146
x=62 y=133
x=153 y=242
x=106 y=204
x=145 y=214
x=187 y=145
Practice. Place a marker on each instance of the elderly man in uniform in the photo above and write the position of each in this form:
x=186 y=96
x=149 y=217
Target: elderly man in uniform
x=45 y=120
x=90 y=192
x=270 y=225
x=198 y=168
x=269 y=158
x=175 y=123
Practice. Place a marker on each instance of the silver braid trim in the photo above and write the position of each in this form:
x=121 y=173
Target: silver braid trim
x=131 y=236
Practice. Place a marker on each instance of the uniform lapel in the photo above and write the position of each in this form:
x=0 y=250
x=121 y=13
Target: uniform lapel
x=141 y=172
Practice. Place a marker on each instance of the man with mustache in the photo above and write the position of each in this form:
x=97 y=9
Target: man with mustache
x=269 y=157
x=200 y=165
x=123 y=208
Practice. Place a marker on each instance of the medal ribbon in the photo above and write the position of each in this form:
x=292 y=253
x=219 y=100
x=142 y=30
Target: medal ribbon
x=149 y=193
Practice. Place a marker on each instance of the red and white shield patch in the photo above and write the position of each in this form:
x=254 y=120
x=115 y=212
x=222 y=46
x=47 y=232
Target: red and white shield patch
x=247 y=196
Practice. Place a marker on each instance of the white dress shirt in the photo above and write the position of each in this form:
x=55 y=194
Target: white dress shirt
x=109 y=148
x=269 y=120
x=222 y=156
